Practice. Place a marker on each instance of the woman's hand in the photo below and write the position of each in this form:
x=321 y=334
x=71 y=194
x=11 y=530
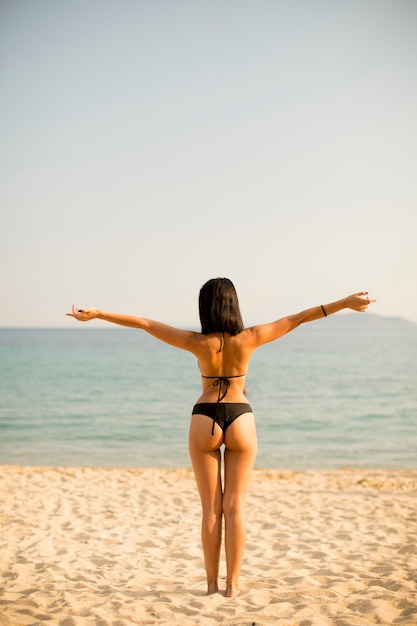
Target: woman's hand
x=83 y=315
x=359 y=301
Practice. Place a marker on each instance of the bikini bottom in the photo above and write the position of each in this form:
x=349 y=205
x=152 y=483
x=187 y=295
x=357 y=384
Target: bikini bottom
x=222 y=413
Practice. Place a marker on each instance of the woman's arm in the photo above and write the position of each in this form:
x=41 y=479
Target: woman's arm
x=265 y=333
x=184 y=339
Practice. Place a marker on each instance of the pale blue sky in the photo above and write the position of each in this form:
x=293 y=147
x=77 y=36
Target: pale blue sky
x=149 y=146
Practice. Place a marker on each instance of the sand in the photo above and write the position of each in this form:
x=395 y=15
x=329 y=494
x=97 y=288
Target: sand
x=122 y=547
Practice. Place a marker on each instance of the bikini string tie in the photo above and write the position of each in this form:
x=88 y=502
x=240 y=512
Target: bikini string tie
x=220 y=381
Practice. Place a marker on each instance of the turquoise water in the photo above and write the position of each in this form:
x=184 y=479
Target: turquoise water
x=328 y=395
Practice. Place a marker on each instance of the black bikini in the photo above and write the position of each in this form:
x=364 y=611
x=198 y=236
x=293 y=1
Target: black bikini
x=222 y=413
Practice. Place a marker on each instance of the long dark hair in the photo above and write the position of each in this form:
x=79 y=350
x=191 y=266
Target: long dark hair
x=219 y=308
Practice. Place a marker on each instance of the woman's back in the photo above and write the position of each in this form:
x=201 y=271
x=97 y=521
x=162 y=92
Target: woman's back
x=223 y=360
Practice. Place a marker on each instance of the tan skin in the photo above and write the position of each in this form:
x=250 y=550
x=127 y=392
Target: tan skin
x=240 y=437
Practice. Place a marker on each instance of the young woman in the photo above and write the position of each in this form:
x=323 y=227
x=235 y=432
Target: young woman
x=222 y=415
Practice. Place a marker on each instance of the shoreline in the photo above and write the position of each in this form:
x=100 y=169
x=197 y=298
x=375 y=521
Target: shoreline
x=409 y=474
x=106 y=545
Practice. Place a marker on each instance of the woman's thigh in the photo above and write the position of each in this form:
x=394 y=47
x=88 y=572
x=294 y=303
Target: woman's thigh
x=239 y=458
x=206 y=460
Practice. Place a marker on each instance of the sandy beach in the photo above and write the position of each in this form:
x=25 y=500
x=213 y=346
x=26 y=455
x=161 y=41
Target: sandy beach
x=122 y=547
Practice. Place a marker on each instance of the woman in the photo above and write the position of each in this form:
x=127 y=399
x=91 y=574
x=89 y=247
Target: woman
x=222 y=415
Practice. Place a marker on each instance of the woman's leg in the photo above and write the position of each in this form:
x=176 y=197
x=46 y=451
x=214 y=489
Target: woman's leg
x=239 y=458
x=206 y=460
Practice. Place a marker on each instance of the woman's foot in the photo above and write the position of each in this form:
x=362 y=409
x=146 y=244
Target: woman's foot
x=232 y=590
x=212 y=588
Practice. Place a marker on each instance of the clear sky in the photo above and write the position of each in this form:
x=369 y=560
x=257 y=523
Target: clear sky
x=147 y=146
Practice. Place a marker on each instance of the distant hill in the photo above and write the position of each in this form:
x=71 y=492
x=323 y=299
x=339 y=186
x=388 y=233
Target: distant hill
x=367 y=321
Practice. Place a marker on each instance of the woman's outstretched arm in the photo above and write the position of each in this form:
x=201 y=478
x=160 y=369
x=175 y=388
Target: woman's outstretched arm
x=265 y=333
x=184 y=339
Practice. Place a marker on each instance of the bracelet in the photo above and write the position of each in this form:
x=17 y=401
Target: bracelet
x=324 y=310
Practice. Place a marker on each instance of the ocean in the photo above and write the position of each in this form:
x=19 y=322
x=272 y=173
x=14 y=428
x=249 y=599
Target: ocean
x=340 y=392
